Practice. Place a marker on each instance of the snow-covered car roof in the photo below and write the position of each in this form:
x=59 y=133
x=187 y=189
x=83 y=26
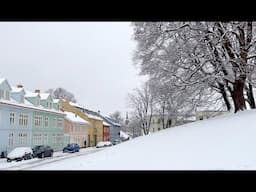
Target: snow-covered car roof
x=19 y=152
x=104 y=143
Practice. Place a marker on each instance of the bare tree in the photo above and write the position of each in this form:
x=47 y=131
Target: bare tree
x=61 y=93
x=142 y=101
x=117 y=117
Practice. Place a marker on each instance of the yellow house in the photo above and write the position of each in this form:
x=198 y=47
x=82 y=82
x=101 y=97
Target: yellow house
x=95 y=128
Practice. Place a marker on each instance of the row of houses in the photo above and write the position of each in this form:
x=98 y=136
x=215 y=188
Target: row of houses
x=34 y=118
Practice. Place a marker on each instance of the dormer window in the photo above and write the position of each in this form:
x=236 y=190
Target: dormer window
x=7 y=95
x=4 y=94
x=22 y=99
x=1 y=94
x=37 y=102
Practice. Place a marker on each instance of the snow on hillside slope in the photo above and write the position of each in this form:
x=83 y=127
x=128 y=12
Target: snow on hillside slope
x=222 y=143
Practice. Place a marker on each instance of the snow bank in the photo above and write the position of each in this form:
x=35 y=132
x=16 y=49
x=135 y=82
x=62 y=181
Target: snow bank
x=226 y=142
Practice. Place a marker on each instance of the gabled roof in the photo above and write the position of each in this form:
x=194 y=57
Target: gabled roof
x=44 y=96
x=2 y=80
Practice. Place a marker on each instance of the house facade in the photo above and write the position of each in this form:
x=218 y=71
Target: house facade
x=15 y=118
x=95 y=127
x=48 y=123
x=106 y=128
x=76 y=128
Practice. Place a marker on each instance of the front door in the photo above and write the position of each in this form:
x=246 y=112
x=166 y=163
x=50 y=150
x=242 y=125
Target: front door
x=95 y=140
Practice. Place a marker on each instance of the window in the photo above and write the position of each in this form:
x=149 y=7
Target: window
x=54 y=123
x=159 y=121
x=38 y=120
x=10 y=140
x=1 y=94
x=50 y=106
x=22 y=139
x=158 y=129
x=60 y=123
x=53 y=139
x=23 y=120
x=46 y=121
x=7 y=95
x=12 y=118
x=22 y=99
x=59 y=138
x=37 y=101
x=37 y=139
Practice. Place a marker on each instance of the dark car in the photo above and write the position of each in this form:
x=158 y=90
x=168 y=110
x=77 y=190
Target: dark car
x=116 y=141
x=73 y=147
x=42 y=151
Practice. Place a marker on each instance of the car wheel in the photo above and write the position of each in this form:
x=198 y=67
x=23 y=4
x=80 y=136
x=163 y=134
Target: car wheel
x=9 y=160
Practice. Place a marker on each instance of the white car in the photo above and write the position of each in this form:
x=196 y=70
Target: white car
x=19 y=154
x=104 y=144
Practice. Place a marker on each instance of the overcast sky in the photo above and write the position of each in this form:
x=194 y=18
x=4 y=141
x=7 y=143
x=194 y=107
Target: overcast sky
x=93 y=60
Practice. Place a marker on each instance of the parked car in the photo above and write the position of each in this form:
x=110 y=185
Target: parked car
x=73 y=147
x=104 y=144
x=42 y=151
x=20 y=153
x=117 y=141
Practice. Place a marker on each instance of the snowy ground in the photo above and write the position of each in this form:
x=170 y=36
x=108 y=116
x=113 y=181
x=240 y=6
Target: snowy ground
x=222 y=143
x=33 y=163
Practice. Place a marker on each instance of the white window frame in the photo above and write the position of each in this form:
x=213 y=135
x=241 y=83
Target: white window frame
x=46 y=121
x=12 y=120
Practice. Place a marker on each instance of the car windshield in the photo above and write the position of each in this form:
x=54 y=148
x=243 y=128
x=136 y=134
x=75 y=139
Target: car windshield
x=38 y=147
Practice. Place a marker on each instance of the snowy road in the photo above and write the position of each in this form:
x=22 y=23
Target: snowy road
x=33 y=163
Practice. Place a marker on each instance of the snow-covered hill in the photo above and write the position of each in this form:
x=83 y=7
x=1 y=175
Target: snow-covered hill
x=222 y=143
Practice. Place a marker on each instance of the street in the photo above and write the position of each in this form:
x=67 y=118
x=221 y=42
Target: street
x=33 y=163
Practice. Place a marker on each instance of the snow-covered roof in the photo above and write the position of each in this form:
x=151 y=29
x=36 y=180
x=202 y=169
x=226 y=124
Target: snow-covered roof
x=2 y=80
x=44 y=95
x=75 y=118
x=105 y=123
x=94 y=117
x=17 y=89
x=76 y=105
x=28 y=105
x=31 y=94
x=56 y=100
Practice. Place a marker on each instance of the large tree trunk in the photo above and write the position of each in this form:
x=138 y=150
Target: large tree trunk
x=250 y=97
x=238 y=95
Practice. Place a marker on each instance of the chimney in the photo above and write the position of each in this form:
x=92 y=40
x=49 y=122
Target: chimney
x=19 y=86
x=37 y=91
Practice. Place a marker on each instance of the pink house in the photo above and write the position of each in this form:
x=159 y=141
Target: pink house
x=76 y=128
